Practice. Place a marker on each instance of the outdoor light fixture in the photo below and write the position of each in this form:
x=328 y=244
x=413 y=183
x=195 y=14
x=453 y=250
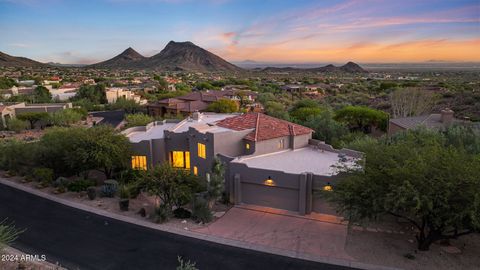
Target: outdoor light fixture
x=269 y=182
x=328 y=187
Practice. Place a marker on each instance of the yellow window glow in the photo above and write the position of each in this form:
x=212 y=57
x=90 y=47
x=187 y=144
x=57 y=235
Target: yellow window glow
x=195 y=170
x=139 y=162
x=202 y=151
x=247 y=146
x=178 y=159
x=187 y=160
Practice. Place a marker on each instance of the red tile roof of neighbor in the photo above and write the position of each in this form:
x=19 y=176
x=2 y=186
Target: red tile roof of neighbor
x=265 y=127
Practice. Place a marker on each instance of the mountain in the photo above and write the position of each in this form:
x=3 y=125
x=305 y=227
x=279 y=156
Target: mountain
x=352 y=67
x=14 y=61
x=349 y=67
x=186 y=56
x=127 y=59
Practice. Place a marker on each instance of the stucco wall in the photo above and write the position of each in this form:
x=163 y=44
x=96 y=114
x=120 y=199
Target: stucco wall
x=269 y=146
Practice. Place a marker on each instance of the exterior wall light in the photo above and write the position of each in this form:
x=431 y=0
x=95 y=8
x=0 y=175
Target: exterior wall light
x=328 y=187
x=269 y=182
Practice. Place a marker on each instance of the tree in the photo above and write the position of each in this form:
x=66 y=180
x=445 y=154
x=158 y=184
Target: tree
x=76 y=150
x=304 y=109
x=138 y=119
x=16 y=155
x=223 y=106
x=217 y=178
x=42 y=95
x=420 y=177
x=326 y=128
x=16 y=125
x=411 y=101
x=276 y=109
x=94 y=93
x=65 y=117
x=174 y=187
x=362 y=118
x=33 y=117
x=128 y=105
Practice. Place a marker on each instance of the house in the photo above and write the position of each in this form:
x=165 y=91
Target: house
x=199 y=101
x=11 y=110
x=432 y=121
x=269 y=162
x=64 y=92
x=114 y=93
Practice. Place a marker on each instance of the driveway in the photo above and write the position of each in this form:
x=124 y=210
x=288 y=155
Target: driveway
x=294 y=233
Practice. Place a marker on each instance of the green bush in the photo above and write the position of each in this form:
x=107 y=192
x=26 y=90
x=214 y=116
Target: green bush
x=43 y=175
x=162 y=213
x=17 y=125
x=201 y=212
x=138 y=119
x=80 y=185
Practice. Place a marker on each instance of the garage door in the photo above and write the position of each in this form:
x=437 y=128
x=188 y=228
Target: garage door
x=270 y=196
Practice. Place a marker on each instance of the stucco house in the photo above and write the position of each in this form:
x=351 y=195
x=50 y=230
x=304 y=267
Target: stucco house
x=269 y=162
x=12 y=109
x=432 y=121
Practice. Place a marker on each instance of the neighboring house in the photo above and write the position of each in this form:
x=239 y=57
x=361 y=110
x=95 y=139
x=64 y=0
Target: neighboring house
x=64 y=92
x=115 y=93
x=432 y=121
x=199 y=101
x=269 y=162
x=11 y=110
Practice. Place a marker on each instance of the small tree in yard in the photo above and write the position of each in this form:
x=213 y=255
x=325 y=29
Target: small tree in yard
x=223 y=106
x=173 y=187
x=420 y=177
x=33 y=117
x=138 y=119
x=217 y=178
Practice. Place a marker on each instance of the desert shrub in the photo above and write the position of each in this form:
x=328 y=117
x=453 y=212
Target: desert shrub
x=43 y=175
x=124 y=192
x=61 y=182
x=185 y=265
x=109 y=188
x=162 y=213
x=80 y=185
x=138 y=119
x=17 y=125
x=201 y=212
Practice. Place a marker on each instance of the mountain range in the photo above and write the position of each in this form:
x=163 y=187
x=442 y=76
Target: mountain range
x=177 y=56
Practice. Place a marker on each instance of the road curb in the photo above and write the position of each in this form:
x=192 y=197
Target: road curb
x=196 y=235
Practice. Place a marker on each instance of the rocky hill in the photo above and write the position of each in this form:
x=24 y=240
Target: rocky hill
x=14 y=61
x=176 y=56
x=127 y=59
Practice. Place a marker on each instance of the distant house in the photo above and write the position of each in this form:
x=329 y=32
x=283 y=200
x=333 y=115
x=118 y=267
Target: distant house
x=199 y=101
x=269 y=162
x=432 y=121
x=64 y=92
x=115 y=93
x=11 y=110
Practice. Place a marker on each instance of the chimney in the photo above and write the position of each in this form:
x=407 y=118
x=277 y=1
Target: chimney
x=446 y=116
x=196 y=115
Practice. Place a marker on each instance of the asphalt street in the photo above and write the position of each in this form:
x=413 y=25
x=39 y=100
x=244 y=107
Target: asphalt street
x=83 y=240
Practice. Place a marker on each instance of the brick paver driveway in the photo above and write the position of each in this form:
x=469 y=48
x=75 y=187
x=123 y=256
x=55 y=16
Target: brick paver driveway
x=293 y=233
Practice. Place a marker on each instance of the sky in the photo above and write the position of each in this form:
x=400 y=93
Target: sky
x=281 y=31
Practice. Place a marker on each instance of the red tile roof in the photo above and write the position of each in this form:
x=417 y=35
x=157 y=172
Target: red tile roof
x=264 y=127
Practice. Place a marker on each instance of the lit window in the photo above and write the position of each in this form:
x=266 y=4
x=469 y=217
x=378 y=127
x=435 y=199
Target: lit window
x=195 y=170
x=328 y=187
x=180 y=159
x=281 y=144
x=202 y=151
x=247 y=146
x=139 y=162
x=187 y=160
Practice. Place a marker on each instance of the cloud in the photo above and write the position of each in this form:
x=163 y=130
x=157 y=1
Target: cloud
x=19 y=45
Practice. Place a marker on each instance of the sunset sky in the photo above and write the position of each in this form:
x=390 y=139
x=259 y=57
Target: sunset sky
x=296 y=31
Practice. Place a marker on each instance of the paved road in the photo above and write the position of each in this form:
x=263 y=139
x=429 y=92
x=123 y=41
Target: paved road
x=82 y=240
x=113 y=118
